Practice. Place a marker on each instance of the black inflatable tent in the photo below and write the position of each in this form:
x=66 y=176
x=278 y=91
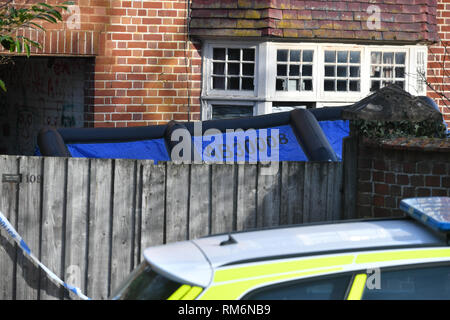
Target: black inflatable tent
x=303 y=135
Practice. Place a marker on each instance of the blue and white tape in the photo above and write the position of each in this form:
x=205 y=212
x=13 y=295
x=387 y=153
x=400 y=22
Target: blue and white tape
x=6 y=225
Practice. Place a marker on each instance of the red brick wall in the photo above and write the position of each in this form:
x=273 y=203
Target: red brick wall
x=438 y=74
x=147 y=70
x=386 y=176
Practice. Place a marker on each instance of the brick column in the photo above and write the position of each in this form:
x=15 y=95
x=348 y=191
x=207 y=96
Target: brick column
x=402 y=168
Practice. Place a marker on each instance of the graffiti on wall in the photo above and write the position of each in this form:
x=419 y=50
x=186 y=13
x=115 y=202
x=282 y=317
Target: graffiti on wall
x=42 y=92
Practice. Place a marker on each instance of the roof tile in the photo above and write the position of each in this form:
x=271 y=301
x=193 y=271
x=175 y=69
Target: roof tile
x=401 y=20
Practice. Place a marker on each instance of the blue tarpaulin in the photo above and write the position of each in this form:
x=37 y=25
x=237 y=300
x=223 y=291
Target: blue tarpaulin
x=256 y=145
x=251 y=145
x=146 y=149
x=259 y=147
x=336 y=131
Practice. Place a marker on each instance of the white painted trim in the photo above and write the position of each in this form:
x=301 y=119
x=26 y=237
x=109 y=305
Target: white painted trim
x=265 y=74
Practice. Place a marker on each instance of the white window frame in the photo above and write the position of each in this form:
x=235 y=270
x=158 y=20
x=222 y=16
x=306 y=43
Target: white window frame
x=271 y=72
x=338 y=96
x=208 y=65
x=265 y=92
x=394 y=50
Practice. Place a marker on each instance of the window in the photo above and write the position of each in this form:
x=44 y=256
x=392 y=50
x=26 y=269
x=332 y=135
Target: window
x=233 y=69
x=294 y=70
x=387 y=67
x=145 y=284
x=425 y=283
x=332 y=288
x=267 y=75
x=229 y=111
x=342 y=70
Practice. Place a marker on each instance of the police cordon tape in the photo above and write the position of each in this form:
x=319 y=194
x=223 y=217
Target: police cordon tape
x=6 y=225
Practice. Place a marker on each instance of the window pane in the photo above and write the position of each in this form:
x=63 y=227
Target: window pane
x=376 y=72
x=282 y=70
x=399 y=72
x=280 y=84
x=234 y=54
x=411 y=284
x=295 y=55
x=354 y=72
x=294 y=70
x=388 y=72
x=233 y=64
x=219 y=54
x=329 y=71
x=341 y=71
x=388 y=57
x=375 y=86
x=354 y=85
x=307 y=55
x=355 y=57
x=293 y=85
x=342 y=85
x=375 y=57
x=307 y=70
x=247 y=84
x=229 y=112
x=401 y=84
x=329 y=85
x=282 y=55
x=145 y=284
x=400 y=58
x=342 y=56
x=233 y=83
x=330 y=56
x=219 y=83
x=219 y=68
x=233 y=68
x=307 y=85
x=392 y=67
x=248 y=69
x=248 y=54
x=322 y=289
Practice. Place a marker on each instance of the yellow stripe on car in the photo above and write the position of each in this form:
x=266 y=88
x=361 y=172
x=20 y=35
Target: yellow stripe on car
x=186 y=292
x=234 y=290
x=402 y=255
x=193 y=293
x=267 y=269
x=357 y=290
x=180 y=292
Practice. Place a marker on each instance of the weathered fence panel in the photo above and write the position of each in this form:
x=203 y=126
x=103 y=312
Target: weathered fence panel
x=89 y=220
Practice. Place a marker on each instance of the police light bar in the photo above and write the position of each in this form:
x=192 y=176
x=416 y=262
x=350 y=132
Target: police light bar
x=434 y=212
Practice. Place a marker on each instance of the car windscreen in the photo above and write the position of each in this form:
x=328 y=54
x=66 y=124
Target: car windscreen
x=145 y=284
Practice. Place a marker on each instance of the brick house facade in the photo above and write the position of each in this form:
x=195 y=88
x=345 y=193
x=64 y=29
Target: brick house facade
x=151 y=61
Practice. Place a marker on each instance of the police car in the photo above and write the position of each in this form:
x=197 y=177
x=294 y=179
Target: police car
x=398 y=258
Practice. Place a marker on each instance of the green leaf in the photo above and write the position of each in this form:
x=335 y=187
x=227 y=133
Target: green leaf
x=27 y=48
x=18 y=46
x=2 y=85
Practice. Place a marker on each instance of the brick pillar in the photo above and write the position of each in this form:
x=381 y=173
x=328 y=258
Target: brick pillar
x=390 y=172
x=438 y=74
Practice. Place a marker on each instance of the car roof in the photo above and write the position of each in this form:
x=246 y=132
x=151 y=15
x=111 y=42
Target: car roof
x=284 y=242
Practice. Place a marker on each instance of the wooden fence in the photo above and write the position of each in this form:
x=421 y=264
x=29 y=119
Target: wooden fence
x=88 y=220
